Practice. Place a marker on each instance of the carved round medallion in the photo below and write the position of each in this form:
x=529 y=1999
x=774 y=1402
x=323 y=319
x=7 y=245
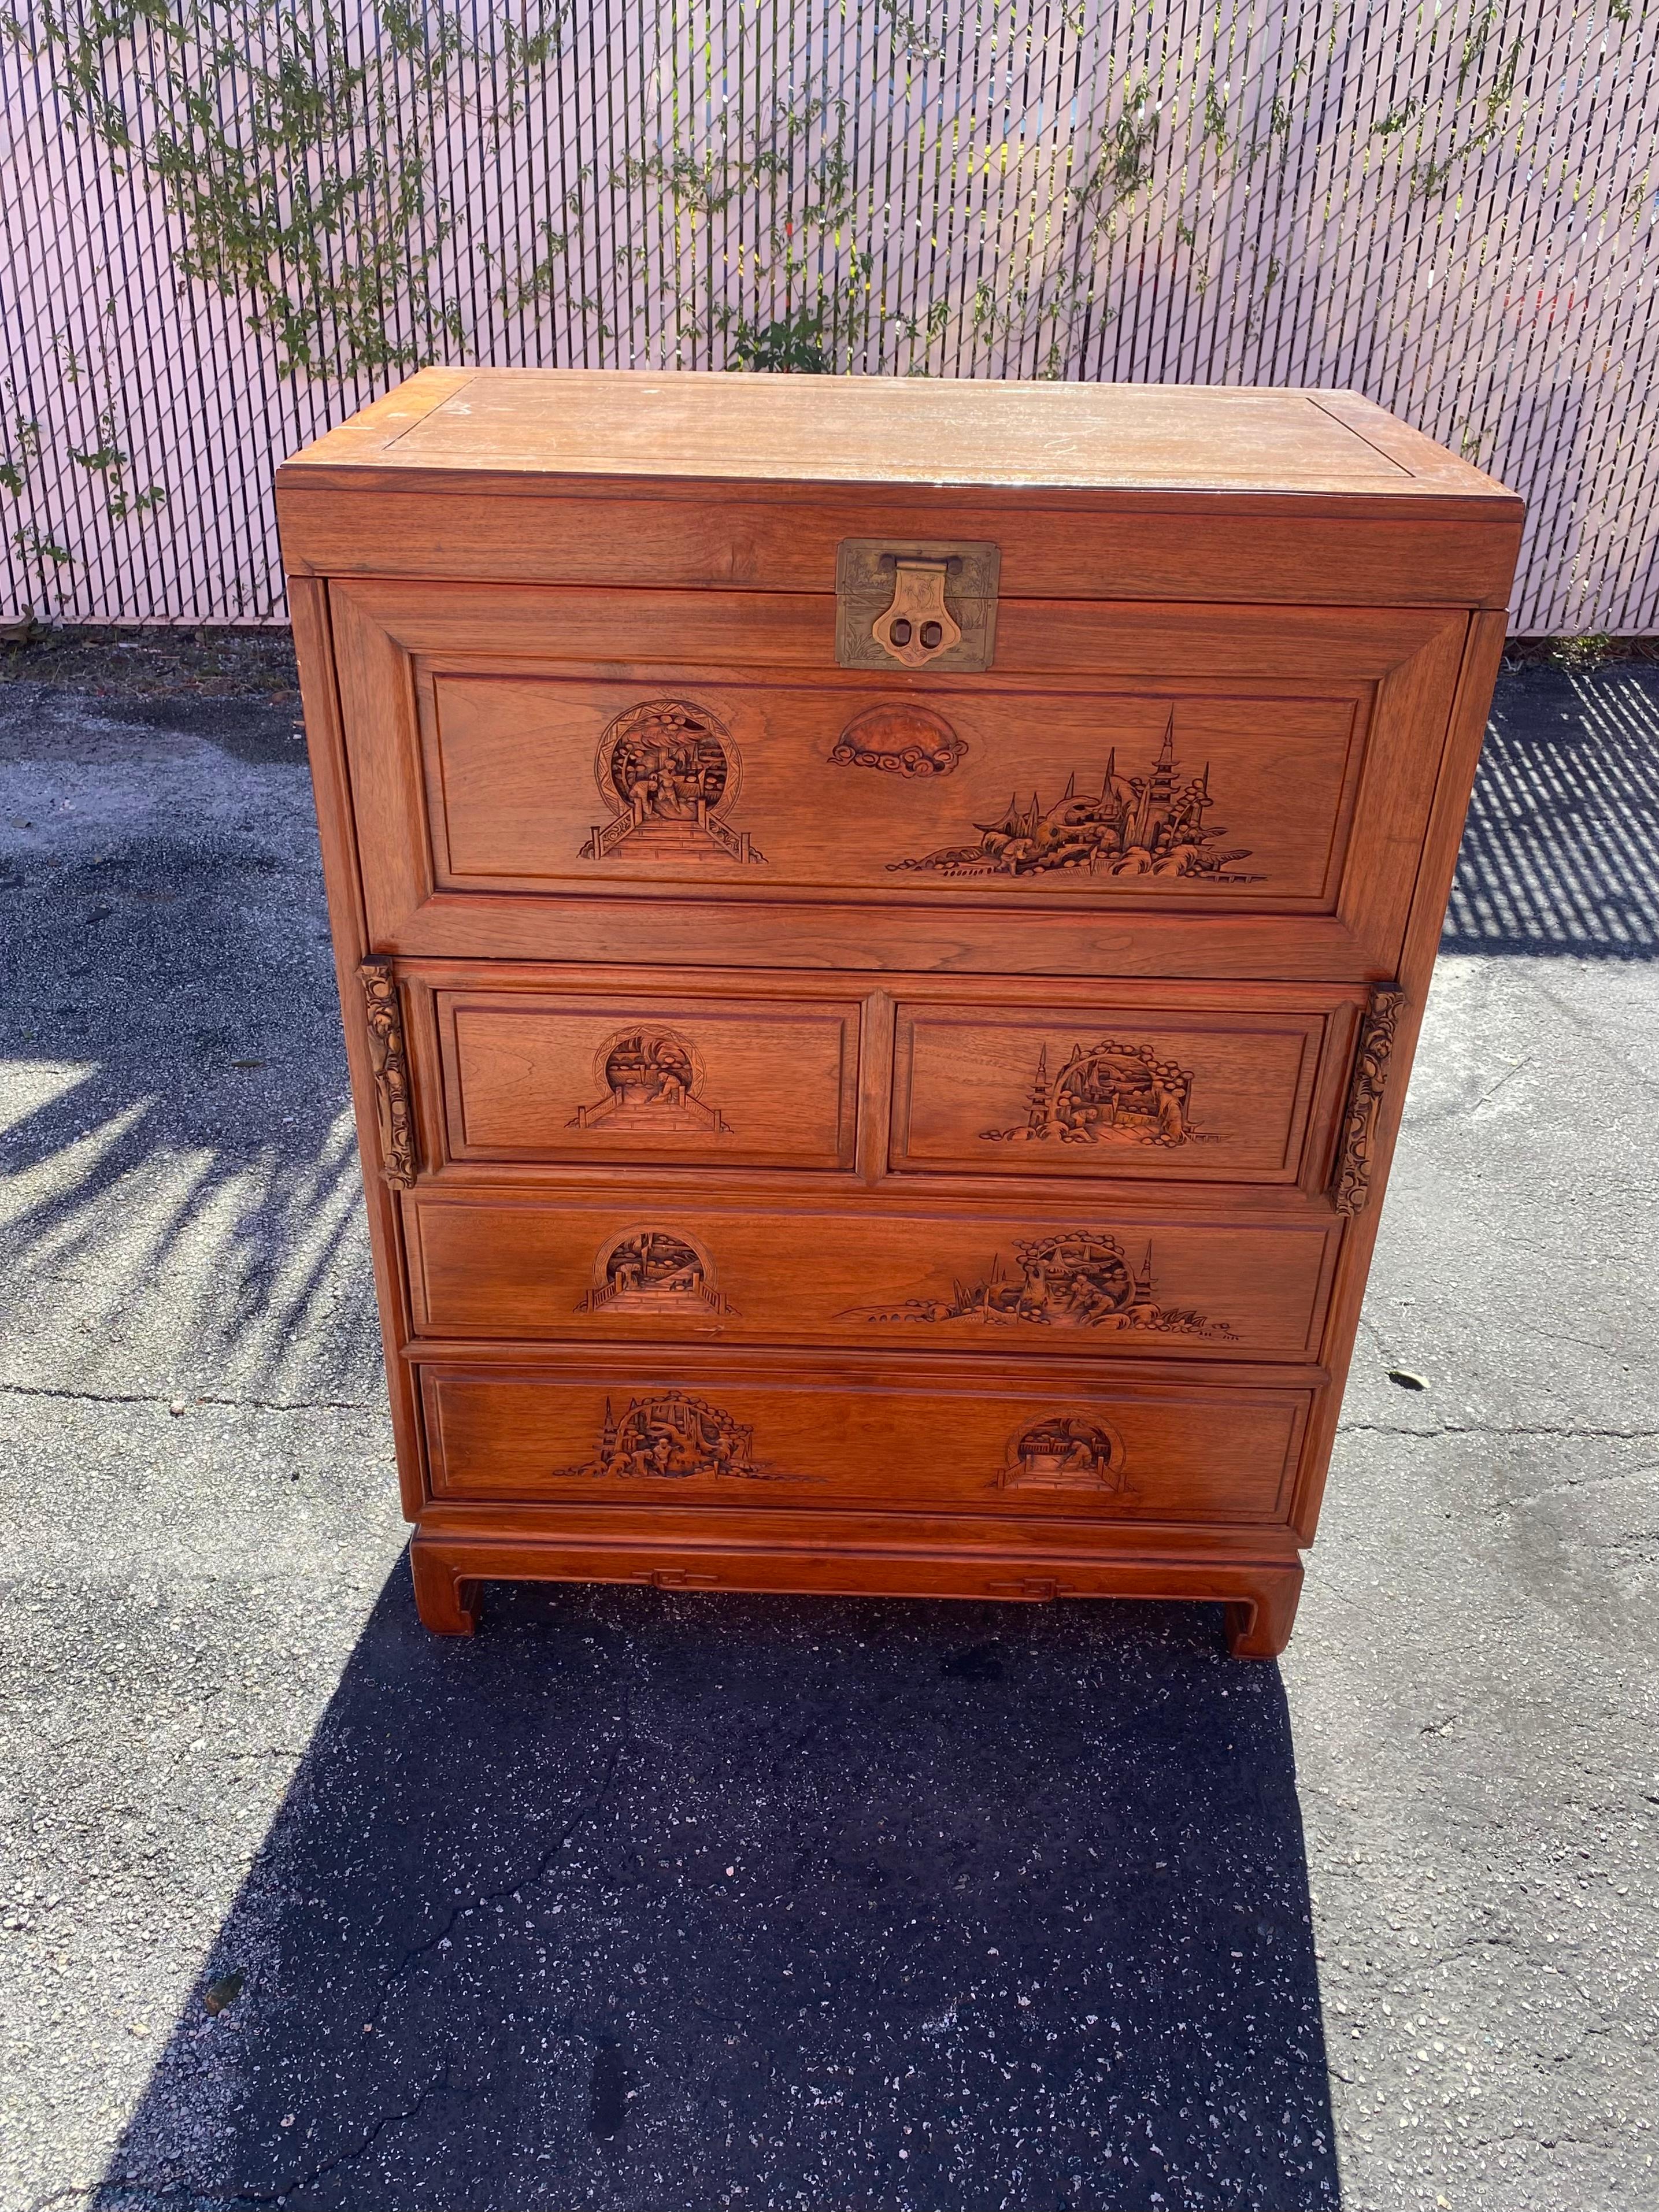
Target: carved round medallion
x=1070 y=1451
x=669 y=773
x=650 y=1080
x=650 y=1270
x=647 y=1067
x=900 y=740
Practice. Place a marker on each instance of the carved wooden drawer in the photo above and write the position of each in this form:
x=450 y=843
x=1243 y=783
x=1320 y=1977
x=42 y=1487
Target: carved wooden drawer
x=784 y=1433
x=530 y=1067
x=1259 y=787
x=882 y=925
x=657 y=1266
x=1170 y=1084
x=535 y=1069
x=549 y=782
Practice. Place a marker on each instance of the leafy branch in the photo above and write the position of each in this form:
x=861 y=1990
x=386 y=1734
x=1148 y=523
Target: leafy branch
x=302 y=178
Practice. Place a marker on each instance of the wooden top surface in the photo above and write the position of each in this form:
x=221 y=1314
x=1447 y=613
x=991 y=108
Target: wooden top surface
x=527 y=429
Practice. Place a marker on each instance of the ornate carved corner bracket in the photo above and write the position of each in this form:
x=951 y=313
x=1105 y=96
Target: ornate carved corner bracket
x=1353 y=1186
x=390 y=1064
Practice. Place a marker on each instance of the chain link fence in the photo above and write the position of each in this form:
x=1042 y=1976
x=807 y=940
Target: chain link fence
x=228 y=223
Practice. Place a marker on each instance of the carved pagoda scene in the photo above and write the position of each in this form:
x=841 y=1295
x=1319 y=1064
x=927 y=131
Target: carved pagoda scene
x=1106 y=1094
x=1070 y=1452
x=652 y=1079
x=669 y=772
x=1073 y=1279
x=654 y=1272
x=670 y=1436
x=905 y=740
x=1153 y=825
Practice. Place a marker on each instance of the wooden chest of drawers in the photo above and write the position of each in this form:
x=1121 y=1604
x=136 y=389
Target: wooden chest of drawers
x=882 y=928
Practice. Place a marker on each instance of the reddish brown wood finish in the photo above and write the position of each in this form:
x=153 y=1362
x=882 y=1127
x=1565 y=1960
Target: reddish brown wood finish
x=651 y=1263
x=672 y=1077
x=843 y=1127
x=1316 y=716
x=977 y=1438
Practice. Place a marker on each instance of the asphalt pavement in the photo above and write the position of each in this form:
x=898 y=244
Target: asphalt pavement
x=658 y=1903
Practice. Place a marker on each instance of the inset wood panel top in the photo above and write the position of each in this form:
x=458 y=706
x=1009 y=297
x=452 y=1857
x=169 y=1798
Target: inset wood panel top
x=881 y=431
x=677 y=1080
x=1042 y=1443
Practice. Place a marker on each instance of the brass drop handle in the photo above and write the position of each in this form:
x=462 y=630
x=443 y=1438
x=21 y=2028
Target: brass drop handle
x=918 y=625
x=916 y=603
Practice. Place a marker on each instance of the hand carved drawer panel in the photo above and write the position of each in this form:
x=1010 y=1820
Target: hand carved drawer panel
x=1239 y=1089
x=548 y=783
x=675 y=1078
x=657 y=1266
x=785 y=1435
x=538 y=1069
x=883 y=926
x=1193 y=770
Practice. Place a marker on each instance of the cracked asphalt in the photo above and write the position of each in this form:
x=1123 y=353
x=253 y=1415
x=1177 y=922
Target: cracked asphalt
x=648 y=1901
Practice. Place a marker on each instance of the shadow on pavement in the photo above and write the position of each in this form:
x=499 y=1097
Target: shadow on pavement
x=641 y=1901
x=1561 y=851
x=179 y=1161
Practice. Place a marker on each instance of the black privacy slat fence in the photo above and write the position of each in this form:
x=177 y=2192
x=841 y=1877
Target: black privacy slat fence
x=228 y=223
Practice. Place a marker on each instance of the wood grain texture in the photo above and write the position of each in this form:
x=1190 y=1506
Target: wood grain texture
x=1259 y=1596
x=877 y=432
x=521 y=789
x=776 y=1429
x=527 y=1073
x=655 y=1263
x=1461 y=753
x=694 y=1080
x=1209 y=1096
x=882 y=1127
x=336 y=823
x=550 y=785
x=1288 y=551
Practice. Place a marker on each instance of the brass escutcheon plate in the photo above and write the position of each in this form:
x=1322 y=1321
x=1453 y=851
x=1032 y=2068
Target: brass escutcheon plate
x=917 y=604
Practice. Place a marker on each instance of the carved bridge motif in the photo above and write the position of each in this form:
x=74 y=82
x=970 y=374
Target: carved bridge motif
x=669 y=773
x=652 y=1080
x=1070 y=1451
x=646 y=1272
x=1072 y=1278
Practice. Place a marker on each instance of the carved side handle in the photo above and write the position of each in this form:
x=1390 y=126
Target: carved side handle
x=386 y=1045
x=1353 y=1186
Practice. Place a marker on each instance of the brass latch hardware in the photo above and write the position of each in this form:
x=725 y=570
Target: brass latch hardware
x=918 y=626
x=926 y=605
